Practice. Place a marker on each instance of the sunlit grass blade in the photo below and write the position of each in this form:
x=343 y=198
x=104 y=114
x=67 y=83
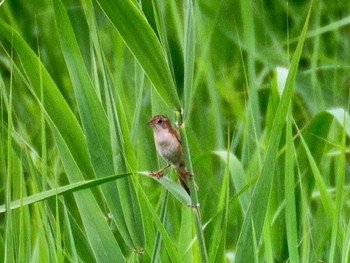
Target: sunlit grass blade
x=290 y=207
x=342 y=117
x=314 y=140
x=55 y=105
x=174 y=188
x=325 y=197
x=186 y=236
x=257 y=210
x=237 y=176
x=97 y=132
x=61 y=190
x=77 y=240
x=9 y=229
x=188 y=72
x=70 y=135
x=339 y=200
x=143 y=43
x=168 y=243
x=251 y=78
x=100 y=237
x=328 y=28
x=194 y=197
x=158 y=239
x=122 y=146
x=11 y=163
x=161 y=10
x=139 y=83
x=218 y=243
x=346 y=246
x=305 y=246
x=267 y=237
x=189 y=54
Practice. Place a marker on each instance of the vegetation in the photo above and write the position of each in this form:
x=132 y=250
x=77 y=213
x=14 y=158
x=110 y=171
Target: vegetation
x=260 y=92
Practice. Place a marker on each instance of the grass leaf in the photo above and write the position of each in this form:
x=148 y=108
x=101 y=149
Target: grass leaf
x=256 y=213
x=97 y=134
x=100 y=237
x=61 y=190
x=145 y=46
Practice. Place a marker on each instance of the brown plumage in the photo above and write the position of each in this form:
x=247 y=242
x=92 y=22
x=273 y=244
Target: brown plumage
x=169 y=147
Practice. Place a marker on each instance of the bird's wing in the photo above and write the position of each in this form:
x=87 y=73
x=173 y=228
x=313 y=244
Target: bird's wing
x=177 y=134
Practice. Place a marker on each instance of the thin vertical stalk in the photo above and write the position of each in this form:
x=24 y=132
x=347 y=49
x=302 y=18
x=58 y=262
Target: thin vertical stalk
x=189 y=55
x=291 y=217
x=157 y=243
x=194 y=199
x=9 y=250
x=339 y=195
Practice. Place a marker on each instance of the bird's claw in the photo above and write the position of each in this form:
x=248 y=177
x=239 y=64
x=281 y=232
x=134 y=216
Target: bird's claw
x=158 y=174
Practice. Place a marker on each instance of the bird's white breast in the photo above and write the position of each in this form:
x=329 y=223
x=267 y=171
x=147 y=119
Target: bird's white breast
x=167 y=145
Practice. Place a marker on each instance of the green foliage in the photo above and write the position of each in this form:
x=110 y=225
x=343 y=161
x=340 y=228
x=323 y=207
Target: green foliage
x=259 y=90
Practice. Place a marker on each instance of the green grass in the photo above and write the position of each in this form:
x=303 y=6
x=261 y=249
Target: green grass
x=260 y=90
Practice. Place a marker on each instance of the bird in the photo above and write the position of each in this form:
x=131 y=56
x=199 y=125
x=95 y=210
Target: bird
x=169 y=147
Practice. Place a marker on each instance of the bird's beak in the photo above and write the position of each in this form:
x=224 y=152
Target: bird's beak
x=151 y=122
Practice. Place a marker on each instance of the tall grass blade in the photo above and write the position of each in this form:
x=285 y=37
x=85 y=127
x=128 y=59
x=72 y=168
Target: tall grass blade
x=189 y=54
x=249 y=39
x=61 y=190
x=160 y=11
x=71 y=134
x=237 y=176
x=100 y=237
x=194 y=198
x=169 y=245
x=9 y=229
x=339 y=200
x=291 y=211
x=96 y=130
x=256 y=213
x=218 y=243
x=346 y=246
x=158 y=239
x=55 y=105
x=143 y=43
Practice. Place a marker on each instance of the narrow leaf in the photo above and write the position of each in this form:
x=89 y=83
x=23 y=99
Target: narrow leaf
x=62 y=190
x=174 y=188
x=255 y=216
x=100 y=237
x=144 y=44
x=96 y=128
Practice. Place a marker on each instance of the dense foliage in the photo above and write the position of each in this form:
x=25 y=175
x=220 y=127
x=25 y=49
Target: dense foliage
x=260 y=90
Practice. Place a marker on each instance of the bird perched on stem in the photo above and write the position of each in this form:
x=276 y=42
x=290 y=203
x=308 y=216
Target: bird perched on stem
x=169 y=147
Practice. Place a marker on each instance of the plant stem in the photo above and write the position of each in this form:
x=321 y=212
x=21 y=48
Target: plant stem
x=194 y=198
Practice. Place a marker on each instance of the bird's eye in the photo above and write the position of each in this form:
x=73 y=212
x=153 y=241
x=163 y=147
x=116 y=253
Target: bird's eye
x=159 y=121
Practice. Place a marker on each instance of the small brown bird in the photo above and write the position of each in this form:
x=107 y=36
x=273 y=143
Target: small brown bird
x=168 y=145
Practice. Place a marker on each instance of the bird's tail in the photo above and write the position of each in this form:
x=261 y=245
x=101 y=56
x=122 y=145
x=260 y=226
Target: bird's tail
x=184 y=175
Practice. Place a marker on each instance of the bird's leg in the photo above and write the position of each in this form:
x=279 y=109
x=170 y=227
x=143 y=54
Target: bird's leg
x=159 y=173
